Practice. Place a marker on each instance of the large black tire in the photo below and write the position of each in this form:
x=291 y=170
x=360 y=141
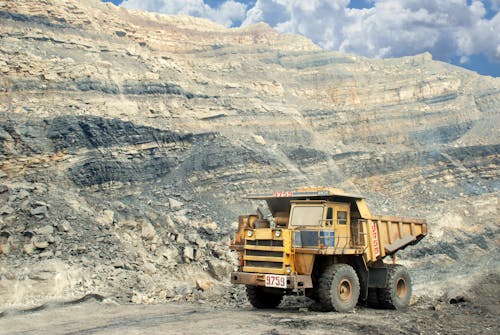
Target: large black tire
x=263 y=297
x=397 y=293
x=338 y=288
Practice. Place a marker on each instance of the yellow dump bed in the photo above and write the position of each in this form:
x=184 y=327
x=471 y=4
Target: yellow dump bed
x=385 y=235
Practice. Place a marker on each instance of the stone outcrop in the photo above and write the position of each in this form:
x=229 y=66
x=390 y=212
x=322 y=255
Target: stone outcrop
x=127 y=140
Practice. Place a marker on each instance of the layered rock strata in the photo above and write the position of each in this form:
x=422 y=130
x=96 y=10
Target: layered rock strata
x=127 y=140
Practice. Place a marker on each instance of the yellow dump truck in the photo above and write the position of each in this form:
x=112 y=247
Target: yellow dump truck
x=326 y=244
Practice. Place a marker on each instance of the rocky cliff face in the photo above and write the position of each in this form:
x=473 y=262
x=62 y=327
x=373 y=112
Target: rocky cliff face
x=127 y=140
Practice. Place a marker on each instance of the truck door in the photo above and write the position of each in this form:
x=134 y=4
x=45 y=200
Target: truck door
x=341 y=224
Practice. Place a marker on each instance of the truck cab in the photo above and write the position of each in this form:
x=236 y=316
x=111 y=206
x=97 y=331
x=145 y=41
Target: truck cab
x=331 y=218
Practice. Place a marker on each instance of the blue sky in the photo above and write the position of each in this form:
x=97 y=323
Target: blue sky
x=462 y=32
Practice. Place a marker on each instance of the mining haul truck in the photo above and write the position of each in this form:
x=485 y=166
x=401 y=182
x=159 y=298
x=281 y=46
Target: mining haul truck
x=325 y=244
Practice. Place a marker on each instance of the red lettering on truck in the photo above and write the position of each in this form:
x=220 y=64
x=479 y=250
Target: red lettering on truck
x=376 y=247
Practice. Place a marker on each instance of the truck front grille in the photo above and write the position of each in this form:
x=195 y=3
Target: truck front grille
x=264 y=253
x=267 y=243
x=265 y=256
x=258 y=264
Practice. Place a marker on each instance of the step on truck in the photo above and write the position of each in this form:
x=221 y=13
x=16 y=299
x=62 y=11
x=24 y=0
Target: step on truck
x=325 y=244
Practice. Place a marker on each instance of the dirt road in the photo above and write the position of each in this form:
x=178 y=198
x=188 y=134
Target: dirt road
x=93 y=317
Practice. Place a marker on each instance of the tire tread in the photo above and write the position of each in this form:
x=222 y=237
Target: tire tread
x=325 y=298
x=386 y=296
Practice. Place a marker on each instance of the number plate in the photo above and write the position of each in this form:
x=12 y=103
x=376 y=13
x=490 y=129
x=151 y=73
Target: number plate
x=276 y=281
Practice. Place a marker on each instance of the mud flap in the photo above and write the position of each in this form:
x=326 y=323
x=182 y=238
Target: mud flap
x=362 y=272
x=377 y=277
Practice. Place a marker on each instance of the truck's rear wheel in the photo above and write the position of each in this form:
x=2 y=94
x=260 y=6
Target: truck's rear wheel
x=263 y=297
x=397 y=293
x=338 y=288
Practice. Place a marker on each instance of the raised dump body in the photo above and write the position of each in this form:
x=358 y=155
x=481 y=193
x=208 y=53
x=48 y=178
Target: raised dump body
x=389 y=234
x=315 y=237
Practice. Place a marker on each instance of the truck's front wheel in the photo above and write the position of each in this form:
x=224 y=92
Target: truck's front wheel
x=338 y=288
x=263 y=297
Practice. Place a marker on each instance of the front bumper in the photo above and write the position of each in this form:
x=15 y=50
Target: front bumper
x=258 y=279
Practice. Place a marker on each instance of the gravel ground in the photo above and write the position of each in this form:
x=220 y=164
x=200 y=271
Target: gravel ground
x=476 y=313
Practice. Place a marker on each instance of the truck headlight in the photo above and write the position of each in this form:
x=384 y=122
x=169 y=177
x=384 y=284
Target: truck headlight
x=288 y=270
x=250 y=233
x=277 y=233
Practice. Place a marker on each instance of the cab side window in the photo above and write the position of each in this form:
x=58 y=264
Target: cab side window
x=341 y=217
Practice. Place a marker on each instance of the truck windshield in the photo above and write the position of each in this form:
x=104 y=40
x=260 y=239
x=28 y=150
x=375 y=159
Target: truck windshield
x=307 y=215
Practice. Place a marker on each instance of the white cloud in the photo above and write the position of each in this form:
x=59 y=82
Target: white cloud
x=228 y=13
x=391 y=28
